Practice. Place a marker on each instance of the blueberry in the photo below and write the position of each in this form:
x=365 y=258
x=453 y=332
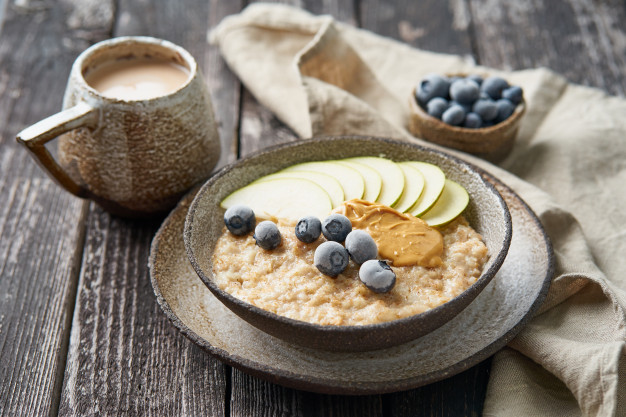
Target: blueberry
x=308 y=229
x=486 y=109
x=464 y=91
x=361 y=246
x=476 y=78
x=336 y=227
x=432 y=86
x=473 y=121
x=267 y=235
x=466 y=107
x=377 y=276
x=493 y=86
x=331 y=258
x=436 y=106
x=505 y=109
x=239 y=220
x=454 y=115
x=513 y=94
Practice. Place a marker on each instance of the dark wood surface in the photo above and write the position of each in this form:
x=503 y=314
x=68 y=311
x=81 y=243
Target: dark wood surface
x=80 y=330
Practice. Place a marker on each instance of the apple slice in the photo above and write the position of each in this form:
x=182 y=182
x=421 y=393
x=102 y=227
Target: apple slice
x=349 y=178
x=413 y=187
x=391 y=175
x=282 y=198
x=434 y=180
x=328 y=183
x=371 y=177
x=450 y=204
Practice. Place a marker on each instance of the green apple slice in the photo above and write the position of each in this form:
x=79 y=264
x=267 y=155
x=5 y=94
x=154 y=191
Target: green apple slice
x=282 y=198
x=413 y=187
x=328 y=183
x=371 y=177
x=450 y=204
x=391 y=175
x=434 y=180
x=349 y=178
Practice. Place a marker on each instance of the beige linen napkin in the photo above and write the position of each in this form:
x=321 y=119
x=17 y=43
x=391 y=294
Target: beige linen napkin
x=322 y=77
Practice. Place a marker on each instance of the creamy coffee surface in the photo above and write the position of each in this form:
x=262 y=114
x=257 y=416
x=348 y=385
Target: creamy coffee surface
x=137 y=79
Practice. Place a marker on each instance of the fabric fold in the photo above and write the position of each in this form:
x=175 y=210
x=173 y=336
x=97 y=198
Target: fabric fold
x=323 y=77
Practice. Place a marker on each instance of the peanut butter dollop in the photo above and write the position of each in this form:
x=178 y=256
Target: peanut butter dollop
x=402 y=238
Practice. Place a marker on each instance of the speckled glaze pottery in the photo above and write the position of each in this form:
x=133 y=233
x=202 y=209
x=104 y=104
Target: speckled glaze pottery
x=133 y=157
x=497 y=314
x=492 y=143
x=487 y=213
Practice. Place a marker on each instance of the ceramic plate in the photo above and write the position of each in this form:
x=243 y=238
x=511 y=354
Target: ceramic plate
x=485 y=326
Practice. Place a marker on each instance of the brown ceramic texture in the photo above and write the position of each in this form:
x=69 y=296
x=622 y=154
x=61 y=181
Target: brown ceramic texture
x=498 y=313
x=138 y=156
x=486 y=212
x=492 y=143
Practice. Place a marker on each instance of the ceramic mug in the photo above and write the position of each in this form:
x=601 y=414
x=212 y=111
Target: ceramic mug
x=134 y=157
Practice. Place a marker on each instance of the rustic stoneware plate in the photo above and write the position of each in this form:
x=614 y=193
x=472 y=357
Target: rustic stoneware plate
x=498 y=313
x=487 y=213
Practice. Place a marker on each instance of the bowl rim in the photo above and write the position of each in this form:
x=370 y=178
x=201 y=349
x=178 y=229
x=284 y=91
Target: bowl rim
x=471 y=291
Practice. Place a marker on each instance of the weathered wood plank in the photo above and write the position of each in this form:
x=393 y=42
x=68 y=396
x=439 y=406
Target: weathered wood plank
x=38 y=269
x=585 y=40
x=254 y=397
x=224 y=86
x=125 y=356
x=460 y=395
x=41 y=228
x=433 y=25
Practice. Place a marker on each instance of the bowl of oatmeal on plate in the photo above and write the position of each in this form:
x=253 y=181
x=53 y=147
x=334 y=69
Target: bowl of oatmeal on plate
x=424 y=234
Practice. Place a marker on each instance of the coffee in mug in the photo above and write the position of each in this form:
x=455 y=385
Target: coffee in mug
x=137 y=129
x=137 y=78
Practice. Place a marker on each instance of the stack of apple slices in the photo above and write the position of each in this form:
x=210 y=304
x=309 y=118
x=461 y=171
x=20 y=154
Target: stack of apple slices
x=315 y=188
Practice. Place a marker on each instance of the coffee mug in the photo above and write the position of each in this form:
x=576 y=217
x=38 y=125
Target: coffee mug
x=134 y=154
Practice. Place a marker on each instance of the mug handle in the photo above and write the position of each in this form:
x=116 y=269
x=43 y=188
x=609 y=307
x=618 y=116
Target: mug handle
x=36 y=136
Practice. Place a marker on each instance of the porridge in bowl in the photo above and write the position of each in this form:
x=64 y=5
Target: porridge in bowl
x=429 y=249
x=286 y=282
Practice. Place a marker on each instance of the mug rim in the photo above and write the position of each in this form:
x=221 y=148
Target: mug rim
x=83 y=58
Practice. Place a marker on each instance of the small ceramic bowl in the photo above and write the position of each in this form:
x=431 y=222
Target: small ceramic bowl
x=492 y=143
x=487 y=213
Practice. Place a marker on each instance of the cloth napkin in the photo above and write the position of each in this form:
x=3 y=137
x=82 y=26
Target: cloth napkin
x=322 y=77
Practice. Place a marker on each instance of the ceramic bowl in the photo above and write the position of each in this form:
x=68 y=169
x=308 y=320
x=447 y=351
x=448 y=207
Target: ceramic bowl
x=487 y=213
x=492 y=143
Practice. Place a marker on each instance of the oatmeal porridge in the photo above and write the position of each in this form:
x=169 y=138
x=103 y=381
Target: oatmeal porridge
x=286 y=282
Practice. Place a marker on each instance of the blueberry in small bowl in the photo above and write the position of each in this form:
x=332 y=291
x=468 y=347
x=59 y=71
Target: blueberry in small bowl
x=469 y=112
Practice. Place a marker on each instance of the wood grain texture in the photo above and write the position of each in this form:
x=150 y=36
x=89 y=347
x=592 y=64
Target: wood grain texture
x=585 y=40
x=40 y=237
x=440 y=26
x=224 y=86
x=125 y=357
x=41 y=226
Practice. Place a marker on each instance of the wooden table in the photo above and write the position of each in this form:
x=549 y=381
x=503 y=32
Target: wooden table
x=80 y=330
